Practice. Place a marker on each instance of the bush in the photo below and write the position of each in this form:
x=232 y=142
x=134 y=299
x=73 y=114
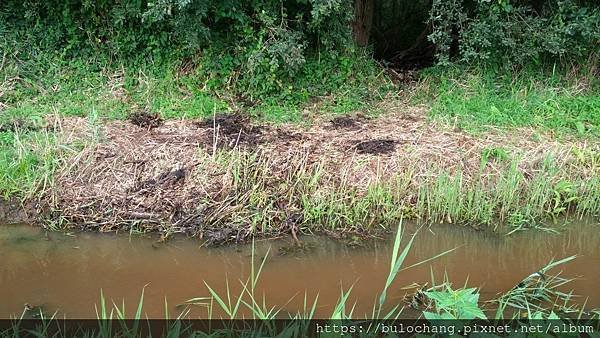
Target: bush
x=128 y=28
x=265 y=41
x=514 y=32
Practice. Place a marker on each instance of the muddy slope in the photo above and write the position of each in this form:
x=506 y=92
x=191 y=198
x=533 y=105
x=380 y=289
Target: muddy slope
x=12 y=212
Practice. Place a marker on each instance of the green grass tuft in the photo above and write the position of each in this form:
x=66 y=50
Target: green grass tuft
x=564 y=101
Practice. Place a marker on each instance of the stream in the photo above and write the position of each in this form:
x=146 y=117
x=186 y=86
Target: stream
x=64 y=272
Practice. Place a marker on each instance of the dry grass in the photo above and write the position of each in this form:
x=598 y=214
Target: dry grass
x=185 y=176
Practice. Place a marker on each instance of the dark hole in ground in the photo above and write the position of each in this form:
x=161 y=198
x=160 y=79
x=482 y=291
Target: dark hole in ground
x=145 y=119
x=233 y=130
x=375 y=147
x=347 y=122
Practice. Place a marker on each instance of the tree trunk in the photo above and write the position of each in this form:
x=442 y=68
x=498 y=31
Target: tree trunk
x=363 y=21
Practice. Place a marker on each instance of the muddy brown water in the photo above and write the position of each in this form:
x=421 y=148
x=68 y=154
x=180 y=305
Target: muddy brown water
x=65 y=272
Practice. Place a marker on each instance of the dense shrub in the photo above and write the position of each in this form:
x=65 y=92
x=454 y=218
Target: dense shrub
x=514 y=32
x=127 y=27
x=261 y=46
x=268 y=40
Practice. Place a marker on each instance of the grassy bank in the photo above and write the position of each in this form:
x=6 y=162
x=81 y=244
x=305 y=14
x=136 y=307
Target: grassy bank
x=443 y=148
x=38 y=82
x=561 y=99
x=39 y=85
x=228 y=178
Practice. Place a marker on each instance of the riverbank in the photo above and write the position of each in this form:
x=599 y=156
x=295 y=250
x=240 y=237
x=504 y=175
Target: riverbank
x=227 y=178
x=152 y=147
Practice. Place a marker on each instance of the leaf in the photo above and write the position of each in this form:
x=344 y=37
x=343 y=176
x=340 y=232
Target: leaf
x=580 y=127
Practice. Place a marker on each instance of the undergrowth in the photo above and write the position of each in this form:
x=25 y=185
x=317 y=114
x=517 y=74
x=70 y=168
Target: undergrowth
x=257 y=198
x=27 y=163
x=513 y=197
x=560 y=99
x=38 y=82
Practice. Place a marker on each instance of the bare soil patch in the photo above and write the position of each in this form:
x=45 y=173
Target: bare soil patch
x=145 y=119
x=12 y=212
x=232 y=130
x=375 y=147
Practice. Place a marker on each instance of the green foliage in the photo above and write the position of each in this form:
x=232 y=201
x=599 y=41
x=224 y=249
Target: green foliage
x=509 y=197
x=190 y=89
x=267 y=58
x=445 y=17
x=454 y=304
x=560 y=100
x=565 y=193
x=27 y=161
x=51 y=85
x=265 y=35
x=514 y=32
x=531 y=296
x=493 y=153
x=264 y=80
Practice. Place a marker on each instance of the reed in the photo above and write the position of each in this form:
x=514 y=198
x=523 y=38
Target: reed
x=261 y=198
x=512 y=199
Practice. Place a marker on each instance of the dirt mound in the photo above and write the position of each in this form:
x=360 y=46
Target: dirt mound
x=375 y=147
x=232 y=130
x=145 y=119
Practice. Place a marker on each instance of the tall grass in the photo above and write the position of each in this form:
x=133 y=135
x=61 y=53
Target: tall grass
x=560 y=100
x=538 y=291
x=27 y=163
x=509 y=198
x=263 y=199
x=30 y=155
